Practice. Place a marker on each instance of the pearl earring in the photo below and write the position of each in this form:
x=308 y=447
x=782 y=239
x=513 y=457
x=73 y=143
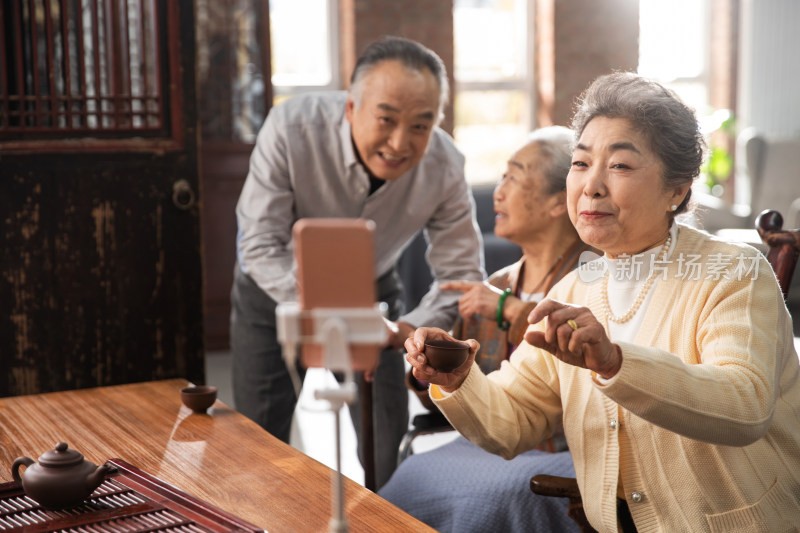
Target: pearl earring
x=673 y=207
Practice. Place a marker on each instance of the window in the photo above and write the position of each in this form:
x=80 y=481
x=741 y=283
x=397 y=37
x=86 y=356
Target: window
x=675 y=49
x=304 y=46
x=87 y=68
x=493 y=82
x=237 y=56
x=232 y=59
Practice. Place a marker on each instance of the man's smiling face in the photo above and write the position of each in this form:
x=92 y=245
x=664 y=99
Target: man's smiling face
x=392 y=116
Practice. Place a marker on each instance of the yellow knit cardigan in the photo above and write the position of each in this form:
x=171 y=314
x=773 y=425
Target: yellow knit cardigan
x=703 y=418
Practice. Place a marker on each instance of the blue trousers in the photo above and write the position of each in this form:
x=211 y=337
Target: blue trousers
x=460 y=488
x=262 y=386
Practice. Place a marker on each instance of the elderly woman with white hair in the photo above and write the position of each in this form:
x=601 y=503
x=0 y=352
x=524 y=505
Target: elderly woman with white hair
x=530 y=202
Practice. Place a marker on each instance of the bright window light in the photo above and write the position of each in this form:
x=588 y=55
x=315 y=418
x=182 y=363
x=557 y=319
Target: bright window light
x=673 y=47
x=493 y=94
x=499 y=53
x=300 y=39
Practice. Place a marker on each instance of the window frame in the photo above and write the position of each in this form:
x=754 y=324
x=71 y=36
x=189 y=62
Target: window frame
x=526 y=85
x=169 y=136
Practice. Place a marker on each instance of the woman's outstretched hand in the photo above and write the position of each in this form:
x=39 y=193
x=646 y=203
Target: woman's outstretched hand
x=575 y=336
x=449 y=381
x=478 y=298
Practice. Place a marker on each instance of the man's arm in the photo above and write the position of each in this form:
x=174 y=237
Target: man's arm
x=455 y=252
x=265 y=214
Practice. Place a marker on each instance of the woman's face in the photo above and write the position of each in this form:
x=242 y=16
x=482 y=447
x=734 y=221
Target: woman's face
x=522 y=207
x=615 y=190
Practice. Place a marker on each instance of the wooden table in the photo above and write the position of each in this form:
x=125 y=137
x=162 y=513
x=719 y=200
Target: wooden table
x=220 y=457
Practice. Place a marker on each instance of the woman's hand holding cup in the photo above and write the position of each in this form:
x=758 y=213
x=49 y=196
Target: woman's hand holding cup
x=421 y=368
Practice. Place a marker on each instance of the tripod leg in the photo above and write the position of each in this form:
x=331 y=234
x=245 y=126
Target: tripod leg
x=338 y=522
x=367 y=433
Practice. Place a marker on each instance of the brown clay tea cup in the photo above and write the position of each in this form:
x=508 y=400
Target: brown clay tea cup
x=444 y=355
x=199 y=398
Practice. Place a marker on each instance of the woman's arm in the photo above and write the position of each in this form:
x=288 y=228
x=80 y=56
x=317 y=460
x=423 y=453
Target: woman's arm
x=507 y=412
x=716 y=376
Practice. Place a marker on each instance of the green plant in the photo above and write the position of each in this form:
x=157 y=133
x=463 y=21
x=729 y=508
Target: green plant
x=719 y=165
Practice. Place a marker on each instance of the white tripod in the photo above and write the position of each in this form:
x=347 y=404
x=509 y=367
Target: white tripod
x=334 y=329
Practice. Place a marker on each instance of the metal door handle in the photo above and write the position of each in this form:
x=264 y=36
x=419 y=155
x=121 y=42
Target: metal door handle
x=182 y=195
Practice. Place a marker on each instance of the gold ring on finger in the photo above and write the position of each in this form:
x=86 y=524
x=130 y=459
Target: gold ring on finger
x=573 y=324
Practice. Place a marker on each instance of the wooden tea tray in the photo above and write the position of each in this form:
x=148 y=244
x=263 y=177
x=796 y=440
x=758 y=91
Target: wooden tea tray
x=129 y=500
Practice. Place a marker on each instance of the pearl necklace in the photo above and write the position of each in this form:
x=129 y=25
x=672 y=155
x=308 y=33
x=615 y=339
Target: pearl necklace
x=642 y=292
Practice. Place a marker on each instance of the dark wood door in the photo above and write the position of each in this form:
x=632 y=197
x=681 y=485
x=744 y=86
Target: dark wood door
x=234 y=92
x=101 y=276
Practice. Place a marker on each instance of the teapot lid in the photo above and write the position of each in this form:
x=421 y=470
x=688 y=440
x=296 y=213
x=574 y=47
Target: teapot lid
x=61 y=456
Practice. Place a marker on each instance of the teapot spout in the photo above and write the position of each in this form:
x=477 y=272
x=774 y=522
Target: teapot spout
x=96 y=477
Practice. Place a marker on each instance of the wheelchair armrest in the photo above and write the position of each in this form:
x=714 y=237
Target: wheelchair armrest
x=432 y=420
x=561 y=487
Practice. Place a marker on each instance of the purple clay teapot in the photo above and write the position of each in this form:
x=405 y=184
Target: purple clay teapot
x=62 y=478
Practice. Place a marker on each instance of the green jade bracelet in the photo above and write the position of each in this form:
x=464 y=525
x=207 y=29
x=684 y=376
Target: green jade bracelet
x=502 y=323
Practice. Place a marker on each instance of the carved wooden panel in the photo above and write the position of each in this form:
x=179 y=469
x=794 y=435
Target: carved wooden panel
x=100 y=265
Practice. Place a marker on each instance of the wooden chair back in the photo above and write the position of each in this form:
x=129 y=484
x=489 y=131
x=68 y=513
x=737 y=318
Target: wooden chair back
x=784 y=246
x=783 y=250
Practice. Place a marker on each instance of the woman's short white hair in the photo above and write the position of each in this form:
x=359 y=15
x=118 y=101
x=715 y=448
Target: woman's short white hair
x=556 y=144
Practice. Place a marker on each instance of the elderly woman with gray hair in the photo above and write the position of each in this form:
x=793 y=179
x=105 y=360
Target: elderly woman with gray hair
x=670 y=359
x=531 y=205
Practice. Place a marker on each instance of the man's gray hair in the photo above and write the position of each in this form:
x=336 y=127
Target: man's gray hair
x=409 y=53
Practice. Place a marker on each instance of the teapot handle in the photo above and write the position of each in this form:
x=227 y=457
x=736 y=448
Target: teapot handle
x=19 y=461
